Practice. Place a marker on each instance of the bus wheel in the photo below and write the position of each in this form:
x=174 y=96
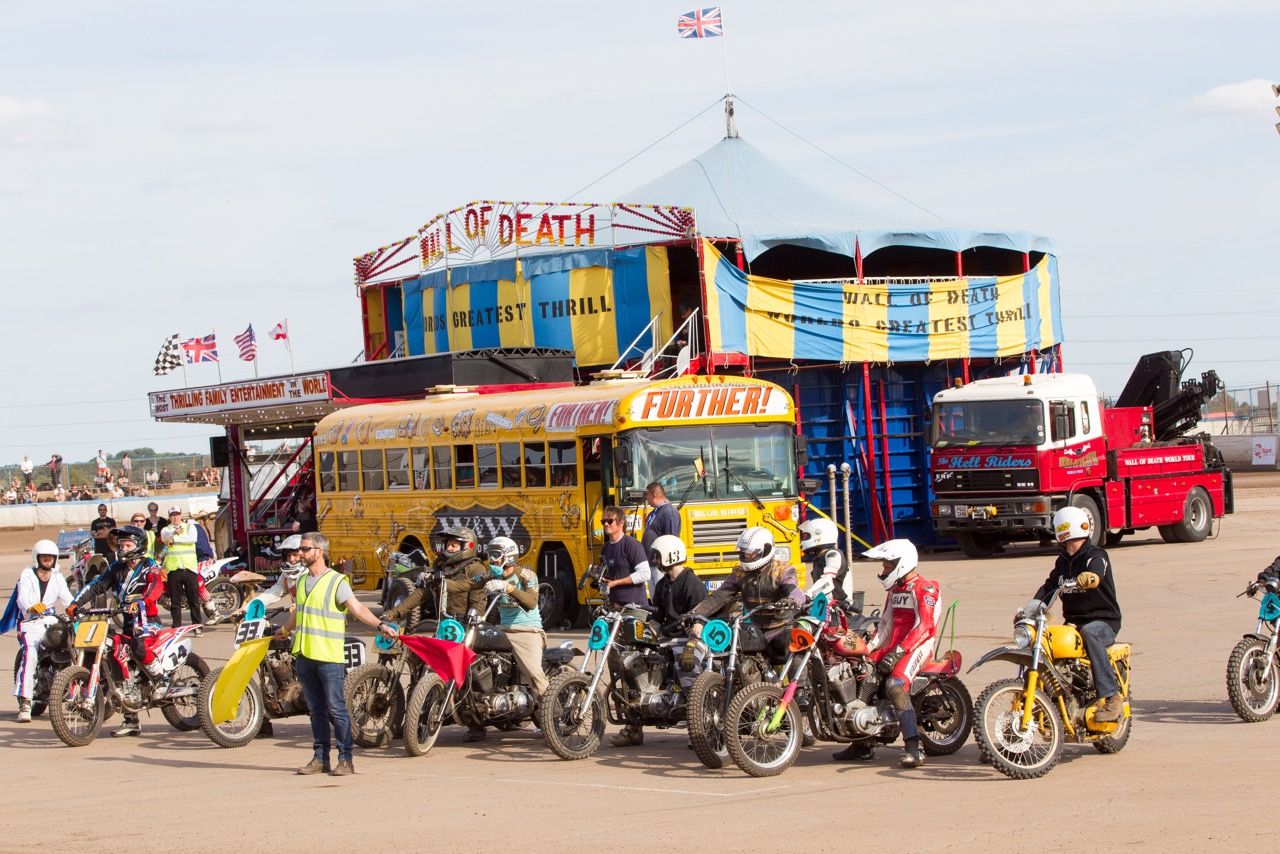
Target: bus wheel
x=549 y=605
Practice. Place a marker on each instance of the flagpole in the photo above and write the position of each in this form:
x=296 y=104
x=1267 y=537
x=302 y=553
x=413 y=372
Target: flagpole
x=288 y=345
x=218 y=361
x=724 y=53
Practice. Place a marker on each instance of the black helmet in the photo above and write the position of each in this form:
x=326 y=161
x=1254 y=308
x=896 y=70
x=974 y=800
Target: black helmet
x=132 y=532
x=466 y=537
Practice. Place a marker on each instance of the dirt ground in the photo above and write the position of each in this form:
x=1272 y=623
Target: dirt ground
x=1189 y=779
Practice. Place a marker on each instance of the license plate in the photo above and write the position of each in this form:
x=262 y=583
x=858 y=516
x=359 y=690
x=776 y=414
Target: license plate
x=90 y=634
x=714 y=583
x=250 y=630
x=977 y=512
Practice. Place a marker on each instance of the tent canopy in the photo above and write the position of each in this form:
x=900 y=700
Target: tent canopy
x=738 y=192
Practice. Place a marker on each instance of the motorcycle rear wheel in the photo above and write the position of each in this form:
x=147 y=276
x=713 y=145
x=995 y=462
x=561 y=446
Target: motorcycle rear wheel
x=73 y=723
x=1115 y=742
x=999 y=707
x=244 y=727
x=754 y=749
x=184 y=714
x=706 y=728
x=224 y=596
x=1254 y=695
x=570 y=735
x=945 y=714
x=424 y=714
x=375 y=705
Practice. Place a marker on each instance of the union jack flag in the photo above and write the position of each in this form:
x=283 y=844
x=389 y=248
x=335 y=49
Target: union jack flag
x=201 y=349
x=701 y=24
x=248 y=344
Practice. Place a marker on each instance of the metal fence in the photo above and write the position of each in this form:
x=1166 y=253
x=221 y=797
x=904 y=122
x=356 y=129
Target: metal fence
x=166 y=471
x=1242 y=411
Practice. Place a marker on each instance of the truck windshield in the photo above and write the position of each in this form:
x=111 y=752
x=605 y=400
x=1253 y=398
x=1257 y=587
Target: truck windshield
x=988 y=422
x=761 y=457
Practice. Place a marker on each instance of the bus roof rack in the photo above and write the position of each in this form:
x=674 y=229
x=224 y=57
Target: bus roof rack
x=450 y=388
x=615 y=374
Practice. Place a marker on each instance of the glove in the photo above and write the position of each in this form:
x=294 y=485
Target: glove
x=689 y=657
x=1088 y=580
x=496 y=586
x=38 y=608
x=280 y=634
x=1031 y=610
x=890 y=660
x=71 y=609
x=1252 y=589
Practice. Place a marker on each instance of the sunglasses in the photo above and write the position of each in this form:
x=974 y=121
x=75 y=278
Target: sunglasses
x=306 y=549
x=610 y=521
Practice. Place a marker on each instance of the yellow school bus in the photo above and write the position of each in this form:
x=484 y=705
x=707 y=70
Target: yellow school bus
x=538 y=465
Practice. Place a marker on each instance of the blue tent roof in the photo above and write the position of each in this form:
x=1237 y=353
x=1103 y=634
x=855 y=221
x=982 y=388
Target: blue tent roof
x=737 y=191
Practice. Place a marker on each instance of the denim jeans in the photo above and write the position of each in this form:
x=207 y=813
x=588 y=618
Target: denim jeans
x=322 y=686
x=1097 y=637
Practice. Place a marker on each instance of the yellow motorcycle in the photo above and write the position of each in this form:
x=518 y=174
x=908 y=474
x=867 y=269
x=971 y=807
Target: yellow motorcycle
x=1023 y=722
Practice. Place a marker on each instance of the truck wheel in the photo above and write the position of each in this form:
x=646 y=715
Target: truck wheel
x=1090 y=507
x=1114 y=538
x=977 y=545
x=1168 y=533
x=1197 y=517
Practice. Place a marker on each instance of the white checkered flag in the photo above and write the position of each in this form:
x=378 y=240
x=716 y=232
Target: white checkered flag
x=170 y=357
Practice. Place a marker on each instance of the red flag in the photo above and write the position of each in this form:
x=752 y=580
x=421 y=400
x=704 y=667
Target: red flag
x=450 y=660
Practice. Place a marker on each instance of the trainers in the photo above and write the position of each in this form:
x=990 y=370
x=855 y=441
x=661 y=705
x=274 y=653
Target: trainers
x=912 y=757
x=344 y=768
x=474 y=735
x=856 y=752
x=130 y=728
x=1109 y=710
x=212 y=618
x=315 y=766
x=24 y=711
x=199 y=632
x=628 y=737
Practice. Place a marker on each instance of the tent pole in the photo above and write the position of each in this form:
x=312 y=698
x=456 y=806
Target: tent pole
x=699 y=247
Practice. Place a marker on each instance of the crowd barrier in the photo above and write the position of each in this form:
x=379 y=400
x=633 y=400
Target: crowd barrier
x=78 y=514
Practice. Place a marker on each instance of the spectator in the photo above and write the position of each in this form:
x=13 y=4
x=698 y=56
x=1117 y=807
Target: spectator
x=102 y=464
x=152 y=478
x=99 y=529
x=11 y=496
x=181 y=563
x=26 y=469
x=126 y=467
x=59 y=494
x=166 y=479
x=55 y=469
x=154 y=522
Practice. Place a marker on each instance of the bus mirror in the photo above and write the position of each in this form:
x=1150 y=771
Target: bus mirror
x=802 y=450
x=622 y=463
x=810 y=485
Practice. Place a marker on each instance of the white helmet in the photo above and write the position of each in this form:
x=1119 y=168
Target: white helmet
x=904 y=556
x=502 y=550
x=667 y=551
x=818 y=532
x=1071 y=523
x=44 y=547
x=292 y=571
x=755 y=548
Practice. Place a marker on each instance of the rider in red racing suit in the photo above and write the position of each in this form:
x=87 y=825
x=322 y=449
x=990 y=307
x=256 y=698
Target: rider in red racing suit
x=903 y=641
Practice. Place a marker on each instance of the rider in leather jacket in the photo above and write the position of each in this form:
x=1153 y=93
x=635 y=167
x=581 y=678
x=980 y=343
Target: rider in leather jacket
x=464 y=577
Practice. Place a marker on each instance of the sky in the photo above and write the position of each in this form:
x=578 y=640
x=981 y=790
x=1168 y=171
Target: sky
x=165 y=168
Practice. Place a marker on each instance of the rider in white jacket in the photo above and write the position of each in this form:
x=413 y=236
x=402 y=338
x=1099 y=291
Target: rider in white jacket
x=41 y=588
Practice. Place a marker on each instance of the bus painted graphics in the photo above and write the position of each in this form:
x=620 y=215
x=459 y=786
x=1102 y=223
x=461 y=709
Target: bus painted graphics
x=540 y=465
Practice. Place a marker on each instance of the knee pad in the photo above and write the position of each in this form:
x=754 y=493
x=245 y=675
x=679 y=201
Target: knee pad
x=898 y=695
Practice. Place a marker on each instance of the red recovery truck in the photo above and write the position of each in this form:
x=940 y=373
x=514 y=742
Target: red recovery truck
x=1010 y=451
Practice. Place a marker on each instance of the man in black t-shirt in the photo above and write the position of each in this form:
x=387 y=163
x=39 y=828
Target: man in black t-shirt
x=626 y=564
x=99 y=529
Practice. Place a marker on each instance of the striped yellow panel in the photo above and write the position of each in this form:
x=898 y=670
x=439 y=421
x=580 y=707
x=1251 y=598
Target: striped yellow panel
x=948 y=319
x=658 y=273
x=770 y=318
x=515 y=314
x=1011 y=326
x=710 y=260
x=1044 y=293
x=866 y=323
x=459 y=304
x=592 y=316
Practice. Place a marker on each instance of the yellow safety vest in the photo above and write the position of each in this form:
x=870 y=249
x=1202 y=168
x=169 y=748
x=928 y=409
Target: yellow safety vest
x=151 y=544
x=321 y=624
x=180 y=555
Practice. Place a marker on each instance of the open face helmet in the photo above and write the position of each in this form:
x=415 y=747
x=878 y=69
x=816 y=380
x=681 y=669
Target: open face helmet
x=1071 y=523
x=817 y=533
x=755 y=549
x=44 y=547
x=501 y=551
x=898 y=557
x=667 y=551
x=292 y=568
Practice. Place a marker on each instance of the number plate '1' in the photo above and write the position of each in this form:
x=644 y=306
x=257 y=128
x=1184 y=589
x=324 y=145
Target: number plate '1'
x=90 y=634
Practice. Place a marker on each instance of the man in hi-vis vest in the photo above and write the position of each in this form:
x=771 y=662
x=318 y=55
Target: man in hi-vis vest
x=322 y=599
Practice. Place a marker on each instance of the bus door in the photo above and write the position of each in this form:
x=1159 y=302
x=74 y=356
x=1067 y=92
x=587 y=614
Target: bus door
x=597 y=487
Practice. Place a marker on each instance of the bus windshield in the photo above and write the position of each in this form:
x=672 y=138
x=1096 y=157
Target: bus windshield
x=759 y=458
x=988 y=422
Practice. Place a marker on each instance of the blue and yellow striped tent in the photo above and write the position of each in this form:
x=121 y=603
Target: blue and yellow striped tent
x=971 y=317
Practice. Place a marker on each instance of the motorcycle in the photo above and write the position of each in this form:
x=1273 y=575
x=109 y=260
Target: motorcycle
x=52 y=654
x=495 y=693
x=841 y=696
x=1253 y=670
x=274 y=693
x=401 y=571
x=81 y=698
x=1023 y=722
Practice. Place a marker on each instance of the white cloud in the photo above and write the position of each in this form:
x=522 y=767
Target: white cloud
x=23 y=121
x=1249 y=98
x=228 y=121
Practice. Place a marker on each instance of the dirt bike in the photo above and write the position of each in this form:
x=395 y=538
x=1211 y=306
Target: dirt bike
x=1253 y=670
x=52 y=654
x=267 y=691
x=841 y=696
x=401 y=572
x=81 y=698
x=495 y=692
x=1024 y=722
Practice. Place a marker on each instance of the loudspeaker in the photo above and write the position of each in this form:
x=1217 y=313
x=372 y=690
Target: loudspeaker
x=219 y=452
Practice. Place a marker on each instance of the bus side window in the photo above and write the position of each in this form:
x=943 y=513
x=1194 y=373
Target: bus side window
x=371 y=469
x=421 y=468
x=487 y=465
x=327 y=482
x=464 y=466
x=564 y=463
x=442 y=462
x=348 y=472
x=397 y=468
x=510 y=461
x=535 y=464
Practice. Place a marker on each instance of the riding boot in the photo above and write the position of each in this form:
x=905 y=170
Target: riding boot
x=859 y=751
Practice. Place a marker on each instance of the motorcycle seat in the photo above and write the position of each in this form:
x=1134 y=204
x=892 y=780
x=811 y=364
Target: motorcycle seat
x=948 y=665
x=557 y=655
x=1118 y=651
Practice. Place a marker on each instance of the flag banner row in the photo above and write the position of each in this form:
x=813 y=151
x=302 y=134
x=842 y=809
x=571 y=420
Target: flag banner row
x=849 y=321
x=175 y=351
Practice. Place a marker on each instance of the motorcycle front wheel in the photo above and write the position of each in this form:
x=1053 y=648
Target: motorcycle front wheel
x=376 y=705
x=76 y=720
x=224 y=596
x=241 y=729
x=944 y=712
x=1253 y=681
x=572 y=724
x=424 y=714
x=706 y=725
x=1020 y=755
x=756 y=746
